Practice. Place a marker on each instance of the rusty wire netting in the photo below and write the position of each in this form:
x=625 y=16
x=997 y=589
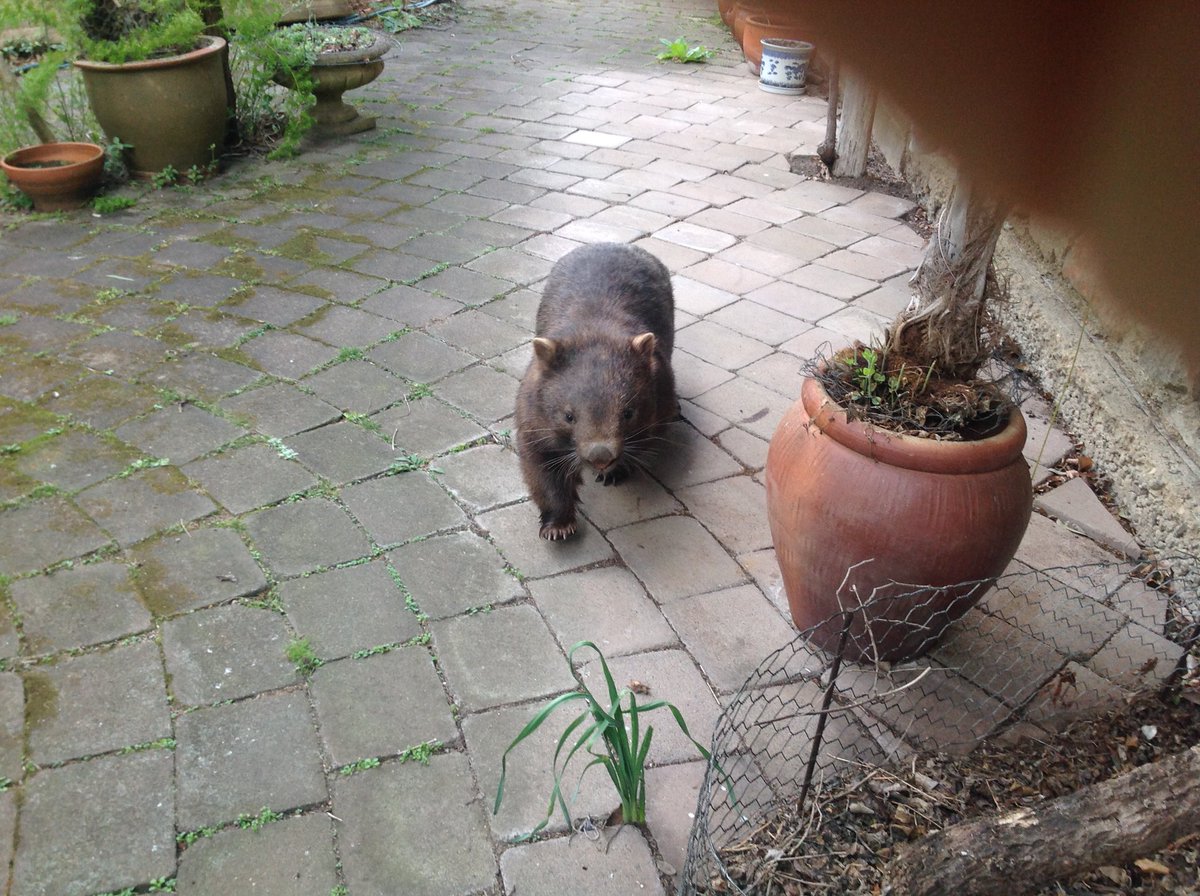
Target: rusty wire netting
x=1041 y=648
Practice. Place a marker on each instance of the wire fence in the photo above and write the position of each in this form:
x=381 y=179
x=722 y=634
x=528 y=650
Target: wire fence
x=1034 y=652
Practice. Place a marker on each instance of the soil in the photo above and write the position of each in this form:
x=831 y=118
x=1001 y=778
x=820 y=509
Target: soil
x=843 y=841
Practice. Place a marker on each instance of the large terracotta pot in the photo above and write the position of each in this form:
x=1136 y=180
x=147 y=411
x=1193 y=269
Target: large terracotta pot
x=919 y=512
x=172 y=111
x=56 y=176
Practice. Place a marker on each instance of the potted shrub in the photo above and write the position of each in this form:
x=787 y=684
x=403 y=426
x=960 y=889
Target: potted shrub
x=155 y=80
x=899 y=468
x=319 y=63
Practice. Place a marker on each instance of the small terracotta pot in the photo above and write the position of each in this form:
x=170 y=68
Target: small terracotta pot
x=56 y=176
x=919 y=512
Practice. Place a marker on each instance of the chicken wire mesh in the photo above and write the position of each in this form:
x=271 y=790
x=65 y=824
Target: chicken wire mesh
x=1034 y=652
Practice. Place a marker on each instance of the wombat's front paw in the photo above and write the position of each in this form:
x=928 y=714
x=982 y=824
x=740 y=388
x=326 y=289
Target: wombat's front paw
x=614 y=475
x=557 y=531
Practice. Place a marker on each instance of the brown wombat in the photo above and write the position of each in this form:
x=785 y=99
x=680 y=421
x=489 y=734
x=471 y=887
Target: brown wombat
x=599 y=388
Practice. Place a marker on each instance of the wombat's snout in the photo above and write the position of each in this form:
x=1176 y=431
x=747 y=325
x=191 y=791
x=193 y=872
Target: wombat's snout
x=600 y=455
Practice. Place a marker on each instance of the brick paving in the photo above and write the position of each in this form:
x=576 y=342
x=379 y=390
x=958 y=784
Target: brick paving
x=279 y=407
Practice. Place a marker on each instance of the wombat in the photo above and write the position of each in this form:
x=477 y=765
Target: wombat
x=599 y=389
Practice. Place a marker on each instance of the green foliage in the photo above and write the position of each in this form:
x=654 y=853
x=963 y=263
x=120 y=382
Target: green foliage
x=678 y=50
x=256 y=822
x=361 y=766
x=107 y=205
x=164 y=178
x=421 y=753
x=300 y=652
x=612 y=735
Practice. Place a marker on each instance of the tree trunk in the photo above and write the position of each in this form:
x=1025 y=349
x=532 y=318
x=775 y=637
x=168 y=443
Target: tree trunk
x=946 y=329
x=827 y=150
x=1110 y=823
x=858 y=115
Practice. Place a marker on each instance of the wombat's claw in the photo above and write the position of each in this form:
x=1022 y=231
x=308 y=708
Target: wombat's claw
x=557 y=532
x=613 y=476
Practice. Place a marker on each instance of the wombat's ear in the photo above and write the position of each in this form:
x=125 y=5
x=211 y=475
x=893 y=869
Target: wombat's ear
x=644 y=344
x=545 y=349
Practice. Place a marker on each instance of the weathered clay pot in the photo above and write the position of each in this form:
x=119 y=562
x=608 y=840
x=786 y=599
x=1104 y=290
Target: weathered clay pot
x=917 y=512
x=56 y=176
x=172 y=110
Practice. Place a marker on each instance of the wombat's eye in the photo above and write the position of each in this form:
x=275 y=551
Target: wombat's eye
x=569 y=417
x=628 y=415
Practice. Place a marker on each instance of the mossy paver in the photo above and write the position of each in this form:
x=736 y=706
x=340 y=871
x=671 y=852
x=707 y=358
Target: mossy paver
x=594 y=868
x=291 y=857
x=427 y=427
x=179 y=432
x=224 y=653
x=97 y=826
x=250 y=477
x=234 y=759
x=515 y=531
x=342 y=452
x=399 y=508
x=40 y=533
x=413 y=829
x=12 y=725
x=381 y=705
x=500 y=656
x=288 y=355
x=674 y=557
x=74 y=460
x=342 y=611
x=300 y=537
x=473 y=566
x=80 y=606
x=482 y=477
x=280 y=410
x=419 y=357
x=357 y=386
x=147 y=501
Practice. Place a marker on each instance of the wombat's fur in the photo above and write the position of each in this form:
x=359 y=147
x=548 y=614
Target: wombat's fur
x=599 y=388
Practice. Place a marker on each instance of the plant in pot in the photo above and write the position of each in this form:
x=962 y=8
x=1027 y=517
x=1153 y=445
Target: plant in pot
x=897 y=480
x=155 y=78
x=54 y=175
x=319 y=63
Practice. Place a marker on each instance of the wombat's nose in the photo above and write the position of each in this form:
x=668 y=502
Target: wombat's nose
x=599 y=454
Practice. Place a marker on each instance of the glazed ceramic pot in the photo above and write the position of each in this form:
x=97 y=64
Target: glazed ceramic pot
x=171 y=111
x=56 y=176
x=760 y=25
x=855 y=510
x=784 y=65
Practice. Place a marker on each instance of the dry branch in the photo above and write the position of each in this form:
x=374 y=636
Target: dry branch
x=1110 y=823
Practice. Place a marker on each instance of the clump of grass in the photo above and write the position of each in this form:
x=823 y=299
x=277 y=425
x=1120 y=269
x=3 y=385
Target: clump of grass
x=611 y=735
x=300 y=652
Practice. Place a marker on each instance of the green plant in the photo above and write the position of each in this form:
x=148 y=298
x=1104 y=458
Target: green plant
x=107 y=205
x=361 y=766
x=164 y=178
x=256 y=822
x=421 y=753
x=612 y=735
x=300 y=652
x=678 y=50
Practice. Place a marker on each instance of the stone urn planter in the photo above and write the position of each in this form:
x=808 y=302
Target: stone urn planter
x=170 y=111
x=56 y=176
x=330 y=75
x=859 y=514
x=316 y=10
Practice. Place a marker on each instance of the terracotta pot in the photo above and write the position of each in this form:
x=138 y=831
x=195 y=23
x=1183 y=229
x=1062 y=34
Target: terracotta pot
x=171 y=110
x=725 y=8
x=742 y=10
x=921 y=511
x=760 y=25
x=56 y=176
x=335 y=73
